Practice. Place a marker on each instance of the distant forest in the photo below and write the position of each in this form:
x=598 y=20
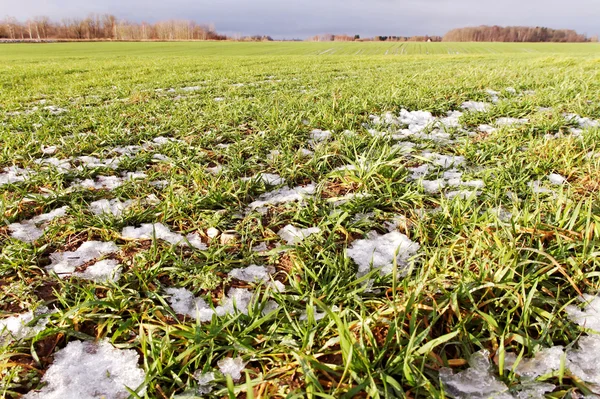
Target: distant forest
x=109 y=27
x=515 y=34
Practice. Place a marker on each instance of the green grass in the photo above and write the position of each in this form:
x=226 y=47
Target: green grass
x=476 y=284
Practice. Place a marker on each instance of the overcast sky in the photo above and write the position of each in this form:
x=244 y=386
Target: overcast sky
x=299 y=19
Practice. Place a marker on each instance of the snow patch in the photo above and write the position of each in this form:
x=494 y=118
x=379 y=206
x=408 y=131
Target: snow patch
x=65 y=263
x=90 y=370
x=381 y=252
x=32 y=229
x=148 y=231
x=114 y=207
x=293 y=235
x=232 y=367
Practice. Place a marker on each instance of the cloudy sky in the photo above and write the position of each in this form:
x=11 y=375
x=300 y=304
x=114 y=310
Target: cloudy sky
x=299 y=19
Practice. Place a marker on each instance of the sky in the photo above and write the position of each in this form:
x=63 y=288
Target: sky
x=300 y=19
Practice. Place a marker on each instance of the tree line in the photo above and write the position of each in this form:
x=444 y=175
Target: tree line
x=515 y=34
x=328 y=37
x=109 y=27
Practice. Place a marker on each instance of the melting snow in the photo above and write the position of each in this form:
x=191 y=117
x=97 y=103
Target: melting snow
x=318 y=136
x=293 y=235
x=475 y=106
x=486 y=129
x=113 y=207
x=476 y=382
x=183 y=302
x=381 y=251
x=283 y=195
x=104 y=270
x=267 y=178
x=65 y=263
x=556 y=179
x=90 y=370
x=511 y=121
x=232 y=367
x=148 y=231
x=252 y=273
x=31 y=230
x=588 y=318
x=18 y=327
x=205 y=382
x=536 y=187
x=13 y=174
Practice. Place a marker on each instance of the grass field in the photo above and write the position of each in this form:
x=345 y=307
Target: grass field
x=257 y=221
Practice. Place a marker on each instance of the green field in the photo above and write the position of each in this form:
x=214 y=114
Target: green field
x=129 y=181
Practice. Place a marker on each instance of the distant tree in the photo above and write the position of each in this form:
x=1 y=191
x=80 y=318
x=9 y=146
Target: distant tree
x=513 y=34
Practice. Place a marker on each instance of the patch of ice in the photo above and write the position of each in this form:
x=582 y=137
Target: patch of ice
x=452 y=120
x=293 y=235
x=215 y=170
x=476 y=382
x=502 y=214
x=232 y=367
x=205 y=382
x=267 y=178
x=183 y=302
x=556 y=179
x=433 y=186
x=493 y=95
x=191 y=88
x=109 y=182
x=445 y=161
x=590 y=316
x=283 y=195
x=237 y=299
x=583 y=122
x=65 y=263
x=49 y=150
x=62 y=165
x=104 y=270
x=381 y=252
x=148 y=231
x=93 y=162
x=252 y=273
x=583 y=362
x=475 y=106
x=90 y=370
x=305 y=152
x=32 y=229
x=536 y=187
x=13 y=174
x=419 y=171
x=318 y=136
x=545 y=361
x=511 y=121
x=511 y=90
x=114 y=207
x=486 y=129
x=19 y=327
x=462 y=194
x=262 y=247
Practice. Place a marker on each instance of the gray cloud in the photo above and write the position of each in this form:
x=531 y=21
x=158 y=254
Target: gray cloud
x=303 y=18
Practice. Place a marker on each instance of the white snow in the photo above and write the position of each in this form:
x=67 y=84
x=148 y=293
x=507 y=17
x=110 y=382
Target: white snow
x=486 y=129
x=318 y=136
x=433 y=186
x=511 y=121
x=283 y=195
x=475 y=106
x=476 y=382
x=419 y=171
x=13 y=174
x=32 y=229
x=556 y=179
x=109 y=182
x=183 y=302
x=583 y=122
x=18 y=327
x=232 y=367
x=104 y=270
x=205 y=381
x=252 y=274
x=267 y=178
x=381 y=251
x=590 y=316
x=536 y=187
x=445 y=161
x=293 y=235
x=262 y=247
x=65 y=263
x=49 y=150
x=114 y=207
x=148 y=231
x=545 y=361
x=90 y=370
x=462 y=194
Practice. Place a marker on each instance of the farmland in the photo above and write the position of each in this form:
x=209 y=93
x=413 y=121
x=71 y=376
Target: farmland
x=286 y=220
